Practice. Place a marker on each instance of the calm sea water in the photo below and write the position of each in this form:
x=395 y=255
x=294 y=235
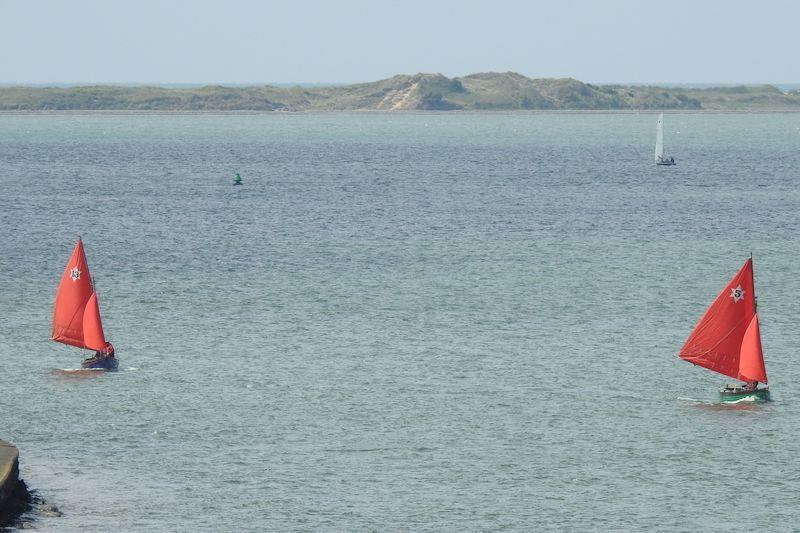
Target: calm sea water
x=431 y=322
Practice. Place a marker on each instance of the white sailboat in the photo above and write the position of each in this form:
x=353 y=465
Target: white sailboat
x=660 y=159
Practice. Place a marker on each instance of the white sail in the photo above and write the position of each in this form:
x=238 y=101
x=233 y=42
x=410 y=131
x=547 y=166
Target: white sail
x=660 y=137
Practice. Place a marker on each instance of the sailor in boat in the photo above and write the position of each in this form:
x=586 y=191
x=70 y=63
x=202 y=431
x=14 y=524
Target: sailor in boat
x=103 y=356
x=738 y=388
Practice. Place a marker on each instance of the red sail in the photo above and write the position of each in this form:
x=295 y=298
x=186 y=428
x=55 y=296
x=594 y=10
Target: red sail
x=92 y=327
x=716 y=342
x=751 y=361
x=73 y=294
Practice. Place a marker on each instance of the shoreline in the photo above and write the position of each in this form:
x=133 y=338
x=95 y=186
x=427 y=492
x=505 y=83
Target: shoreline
x=247 y=112
x=478 y=92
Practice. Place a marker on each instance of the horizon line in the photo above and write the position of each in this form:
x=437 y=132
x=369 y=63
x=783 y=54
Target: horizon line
x=340 y=83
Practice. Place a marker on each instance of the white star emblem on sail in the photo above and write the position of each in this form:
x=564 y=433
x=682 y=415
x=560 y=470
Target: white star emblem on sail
x=75 y=274
x=737 y=294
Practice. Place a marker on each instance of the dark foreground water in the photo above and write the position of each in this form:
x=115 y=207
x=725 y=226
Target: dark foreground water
x=433 y=322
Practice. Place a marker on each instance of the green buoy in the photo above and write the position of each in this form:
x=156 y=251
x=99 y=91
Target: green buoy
x=237 y=180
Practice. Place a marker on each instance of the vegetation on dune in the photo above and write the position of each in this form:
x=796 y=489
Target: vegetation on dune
x=483 y=91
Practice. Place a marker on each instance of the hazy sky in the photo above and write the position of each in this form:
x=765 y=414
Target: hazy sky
x=240 y=41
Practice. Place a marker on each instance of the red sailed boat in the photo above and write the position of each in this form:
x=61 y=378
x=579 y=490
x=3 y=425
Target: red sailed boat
x=76 y=317
x=727 y=339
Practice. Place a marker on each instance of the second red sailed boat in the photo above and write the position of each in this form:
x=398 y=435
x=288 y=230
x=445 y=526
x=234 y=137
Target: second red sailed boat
x=76 y=317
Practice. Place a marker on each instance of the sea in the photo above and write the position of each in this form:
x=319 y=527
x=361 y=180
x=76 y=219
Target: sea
x=400 y=321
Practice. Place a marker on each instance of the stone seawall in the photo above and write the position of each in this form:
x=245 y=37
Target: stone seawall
x=14 y=497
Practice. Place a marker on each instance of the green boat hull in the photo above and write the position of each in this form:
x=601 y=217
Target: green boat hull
x=758 y=395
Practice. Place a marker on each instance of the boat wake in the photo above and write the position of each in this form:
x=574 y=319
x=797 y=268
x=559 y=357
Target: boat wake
x=746 y=399
x=687 y=399
x=77 y=372
x=745 y=404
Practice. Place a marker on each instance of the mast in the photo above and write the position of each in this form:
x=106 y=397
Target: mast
x=755 y=298
x=660 y=137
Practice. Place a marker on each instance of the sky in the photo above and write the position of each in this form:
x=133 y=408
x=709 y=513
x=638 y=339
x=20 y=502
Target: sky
x=347 y=41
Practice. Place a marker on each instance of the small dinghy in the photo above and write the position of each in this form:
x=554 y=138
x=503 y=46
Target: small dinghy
x=660 y=158
x=76 y=316
x=727 y=340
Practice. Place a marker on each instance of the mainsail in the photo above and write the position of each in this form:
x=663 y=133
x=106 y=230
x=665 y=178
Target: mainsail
x=660 y=138
x=76 y=317
x=727 y=339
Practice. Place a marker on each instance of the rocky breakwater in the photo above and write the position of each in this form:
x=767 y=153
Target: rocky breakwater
x=14 y=497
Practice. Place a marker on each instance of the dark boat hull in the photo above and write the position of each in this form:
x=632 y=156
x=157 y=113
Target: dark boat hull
x=735 y=395
x=101 y=363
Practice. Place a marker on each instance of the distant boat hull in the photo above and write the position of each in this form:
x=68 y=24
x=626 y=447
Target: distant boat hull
x=101 y=363
x=665 y=163
x=738 y=394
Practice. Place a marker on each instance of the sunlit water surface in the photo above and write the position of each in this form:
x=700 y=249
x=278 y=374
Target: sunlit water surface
x=401 y=322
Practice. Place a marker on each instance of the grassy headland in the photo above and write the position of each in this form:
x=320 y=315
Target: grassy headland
x=486 y=91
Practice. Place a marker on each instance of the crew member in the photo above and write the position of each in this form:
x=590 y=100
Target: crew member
x=108 y=351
